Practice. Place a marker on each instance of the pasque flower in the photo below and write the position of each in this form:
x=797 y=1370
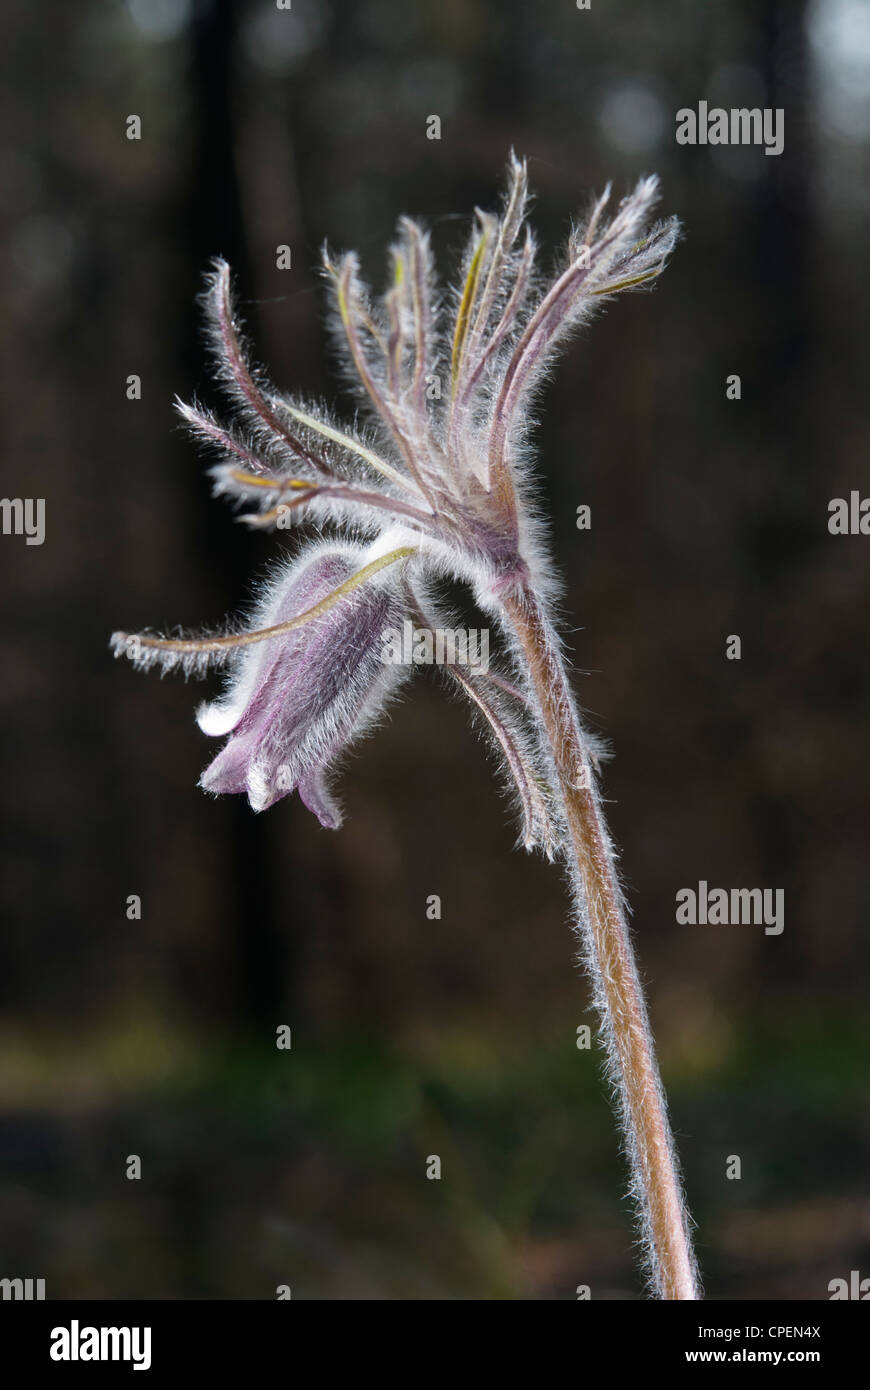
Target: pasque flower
x=436 y=486
x=296 y=701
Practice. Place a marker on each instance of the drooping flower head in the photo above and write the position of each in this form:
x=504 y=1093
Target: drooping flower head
x=295 y=701
x=435 y=487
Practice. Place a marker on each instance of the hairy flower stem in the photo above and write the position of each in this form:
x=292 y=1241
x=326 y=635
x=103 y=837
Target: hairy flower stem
x=610 y=960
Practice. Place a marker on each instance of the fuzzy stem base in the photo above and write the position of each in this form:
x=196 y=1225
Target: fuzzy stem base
x=609 y=957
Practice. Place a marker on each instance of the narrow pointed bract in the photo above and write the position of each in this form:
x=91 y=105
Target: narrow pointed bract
x=435 y=485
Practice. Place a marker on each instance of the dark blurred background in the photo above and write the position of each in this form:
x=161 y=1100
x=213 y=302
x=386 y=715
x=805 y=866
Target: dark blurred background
x=413 y=1037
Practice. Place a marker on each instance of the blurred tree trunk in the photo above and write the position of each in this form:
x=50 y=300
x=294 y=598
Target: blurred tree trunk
x=255 y=941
